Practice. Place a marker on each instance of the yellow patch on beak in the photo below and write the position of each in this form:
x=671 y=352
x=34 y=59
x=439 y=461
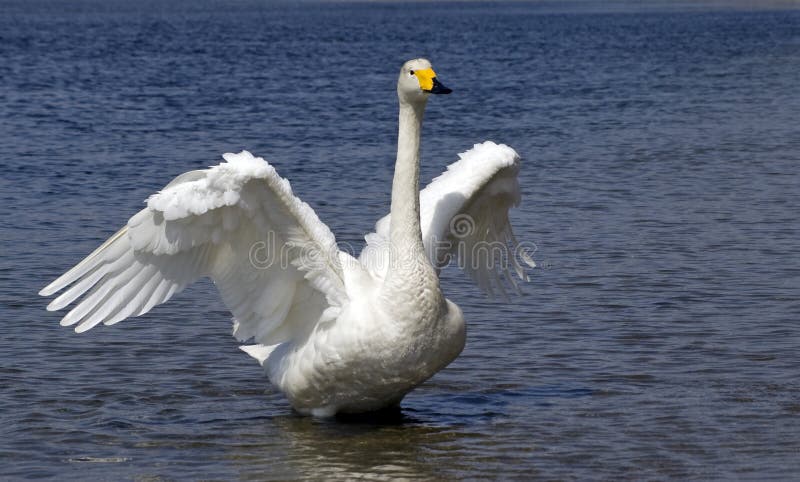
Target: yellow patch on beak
x=425 y=78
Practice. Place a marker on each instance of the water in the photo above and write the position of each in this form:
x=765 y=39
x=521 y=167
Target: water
x=658 y=340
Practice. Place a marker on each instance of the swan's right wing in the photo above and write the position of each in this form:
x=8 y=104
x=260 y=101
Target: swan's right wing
x=464 y=217
x=274 y=262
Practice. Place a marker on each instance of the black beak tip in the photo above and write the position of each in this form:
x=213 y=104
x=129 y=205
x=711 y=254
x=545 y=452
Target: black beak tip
x=438 y=88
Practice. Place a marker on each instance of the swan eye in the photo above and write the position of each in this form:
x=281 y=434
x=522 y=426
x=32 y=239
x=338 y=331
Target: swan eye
x=410 y=72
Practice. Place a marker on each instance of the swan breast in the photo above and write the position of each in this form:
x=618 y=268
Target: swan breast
x=366 y=359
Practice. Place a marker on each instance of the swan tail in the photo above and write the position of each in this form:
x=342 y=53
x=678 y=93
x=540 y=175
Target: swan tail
x=259 y=352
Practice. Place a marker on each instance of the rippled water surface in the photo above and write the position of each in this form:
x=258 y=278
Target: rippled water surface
x=658 y=339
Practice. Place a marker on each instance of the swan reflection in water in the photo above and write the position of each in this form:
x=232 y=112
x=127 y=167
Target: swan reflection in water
x=388 y=445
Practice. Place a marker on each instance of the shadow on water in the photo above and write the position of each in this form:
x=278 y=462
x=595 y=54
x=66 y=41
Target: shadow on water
x=387 y=416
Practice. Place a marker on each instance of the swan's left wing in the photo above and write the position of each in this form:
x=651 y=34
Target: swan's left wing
x=464 y=217
x=274 y=262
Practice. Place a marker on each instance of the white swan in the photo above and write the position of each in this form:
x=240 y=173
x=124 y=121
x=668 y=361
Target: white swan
x=334 y=333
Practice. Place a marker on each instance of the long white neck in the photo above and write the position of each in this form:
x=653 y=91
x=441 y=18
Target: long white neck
x=411 y=279
x=405 y=233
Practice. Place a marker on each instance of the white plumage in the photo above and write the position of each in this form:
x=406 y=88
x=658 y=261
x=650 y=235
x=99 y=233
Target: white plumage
x=334 y=333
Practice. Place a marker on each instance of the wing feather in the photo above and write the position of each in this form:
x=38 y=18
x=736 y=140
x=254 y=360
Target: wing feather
x=464 y=217
x=206 y=223
x=90 y=279
x=99 y=256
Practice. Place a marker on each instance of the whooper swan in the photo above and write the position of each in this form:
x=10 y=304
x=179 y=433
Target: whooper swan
x=335 y=334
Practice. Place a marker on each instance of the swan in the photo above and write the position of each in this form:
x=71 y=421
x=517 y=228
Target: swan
x=334 y=333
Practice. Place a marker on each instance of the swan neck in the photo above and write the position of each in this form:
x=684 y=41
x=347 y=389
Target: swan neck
x=411 y=280
x=405 y=232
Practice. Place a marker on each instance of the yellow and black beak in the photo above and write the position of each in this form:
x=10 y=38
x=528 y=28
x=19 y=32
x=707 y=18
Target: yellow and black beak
x=428 y=82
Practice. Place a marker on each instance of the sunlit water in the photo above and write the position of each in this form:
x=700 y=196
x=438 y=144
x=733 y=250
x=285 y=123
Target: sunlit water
x=659 y=338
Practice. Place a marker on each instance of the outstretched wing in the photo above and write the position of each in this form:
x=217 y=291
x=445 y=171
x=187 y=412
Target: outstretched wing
x=274 y=262
x=464 y=217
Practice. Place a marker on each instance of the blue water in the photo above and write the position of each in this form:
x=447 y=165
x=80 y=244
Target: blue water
x=658 y=339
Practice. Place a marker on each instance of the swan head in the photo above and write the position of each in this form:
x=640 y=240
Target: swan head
x=417 y=81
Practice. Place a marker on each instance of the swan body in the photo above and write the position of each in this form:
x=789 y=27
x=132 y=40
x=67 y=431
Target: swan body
x=334 y=333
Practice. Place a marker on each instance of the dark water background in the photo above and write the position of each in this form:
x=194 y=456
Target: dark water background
x=659 y=339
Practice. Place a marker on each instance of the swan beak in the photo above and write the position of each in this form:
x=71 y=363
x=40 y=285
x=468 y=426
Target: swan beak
x=428 y=82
